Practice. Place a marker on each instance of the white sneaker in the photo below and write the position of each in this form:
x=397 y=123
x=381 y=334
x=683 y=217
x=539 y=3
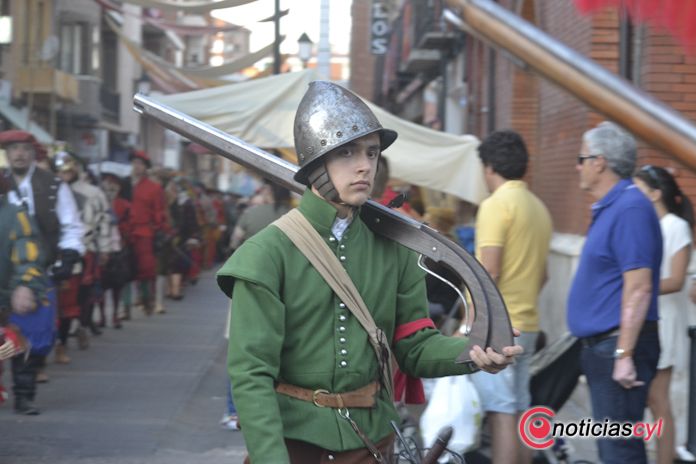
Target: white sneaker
x=230 y=422
x=683 y=454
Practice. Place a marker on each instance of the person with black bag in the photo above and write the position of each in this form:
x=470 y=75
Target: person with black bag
x=187 y=234
x=120 y=267
x=97 y=238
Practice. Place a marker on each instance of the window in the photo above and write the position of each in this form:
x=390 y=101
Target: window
x=626 y=49
x=96 y=50
x=79 y=48
x=218 y=46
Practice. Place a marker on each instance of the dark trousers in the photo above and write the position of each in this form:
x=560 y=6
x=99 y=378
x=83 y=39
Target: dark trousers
x=86 y=299
x=64 y=330
x=611 y=401
x=24 y=375
x=302 y=452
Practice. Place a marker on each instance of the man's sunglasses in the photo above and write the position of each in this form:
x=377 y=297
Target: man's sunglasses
x=582 y=158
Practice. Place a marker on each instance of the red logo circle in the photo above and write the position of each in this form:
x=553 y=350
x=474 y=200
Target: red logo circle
x=535 y=427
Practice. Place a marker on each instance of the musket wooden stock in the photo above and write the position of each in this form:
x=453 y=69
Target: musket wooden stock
x=611 y=95
x=491 y=323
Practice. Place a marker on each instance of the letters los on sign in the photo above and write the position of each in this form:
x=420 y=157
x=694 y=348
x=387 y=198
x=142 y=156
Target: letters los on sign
x=379 y=28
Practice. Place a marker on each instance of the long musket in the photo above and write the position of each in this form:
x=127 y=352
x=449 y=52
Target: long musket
x=618 y=99
x=489 y=324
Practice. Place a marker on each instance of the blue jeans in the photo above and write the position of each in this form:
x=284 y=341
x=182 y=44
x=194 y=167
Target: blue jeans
x=231 y=409
x=611 y=401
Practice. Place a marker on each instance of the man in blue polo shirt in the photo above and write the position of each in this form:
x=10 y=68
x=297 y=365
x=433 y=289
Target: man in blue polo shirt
x=612 y=305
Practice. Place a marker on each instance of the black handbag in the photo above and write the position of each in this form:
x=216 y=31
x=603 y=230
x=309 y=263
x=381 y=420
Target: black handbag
x=119 y=269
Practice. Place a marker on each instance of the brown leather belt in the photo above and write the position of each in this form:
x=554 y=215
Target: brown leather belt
x=361 y=398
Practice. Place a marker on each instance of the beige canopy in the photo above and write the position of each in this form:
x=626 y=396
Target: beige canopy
x=262 y=111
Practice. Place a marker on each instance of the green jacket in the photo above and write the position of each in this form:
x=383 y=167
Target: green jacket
x=19 y=253
x=288 y=326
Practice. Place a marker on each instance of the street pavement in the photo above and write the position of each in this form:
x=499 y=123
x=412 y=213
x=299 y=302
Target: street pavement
x=153 y=392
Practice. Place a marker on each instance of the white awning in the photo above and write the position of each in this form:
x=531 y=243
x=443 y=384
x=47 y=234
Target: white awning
x=262 y=111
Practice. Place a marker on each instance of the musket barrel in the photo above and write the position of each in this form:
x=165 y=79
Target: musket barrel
x=274 y=168
x=491 y=323
x=611 y=95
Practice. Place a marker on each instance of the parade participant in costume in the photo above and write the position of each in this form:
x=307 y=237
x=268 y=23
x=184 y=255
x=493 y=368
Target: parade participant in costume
x=52 y=205
x=148 y=224
x=186 y=234
x=23 y=313
x=307 y=384
x=94 y=212
x=47 y=198
x=118 y=272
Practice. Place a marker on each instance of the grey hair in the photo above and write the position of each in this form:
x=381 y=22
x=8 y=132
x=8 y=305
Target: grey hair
x=615 y=145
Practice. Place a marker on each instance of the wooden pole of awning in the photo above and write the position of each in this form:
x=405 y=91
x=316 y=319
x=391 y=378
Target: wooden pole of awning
x=609 y=94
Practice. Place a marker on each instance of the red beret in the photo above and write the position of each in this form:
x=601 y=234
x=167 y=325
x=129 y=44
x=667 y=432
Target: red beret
x=16 y=136
x=141 y=155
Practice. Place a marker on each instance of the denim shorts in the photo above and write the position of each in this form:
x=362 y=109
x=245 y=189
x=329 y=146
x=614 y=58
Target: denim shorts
x=508 y=390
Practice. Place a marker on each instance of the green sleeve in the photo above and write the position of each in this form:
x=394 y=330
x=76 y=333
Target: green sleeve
x=427 y=353
x=257 y=331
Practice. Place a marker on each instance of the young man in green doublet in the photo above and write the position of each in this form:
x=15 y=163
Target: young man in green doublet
x=294 y=344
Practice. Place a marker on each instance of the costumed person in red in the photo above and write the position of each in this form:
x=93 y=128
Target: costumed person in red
x=148 y=222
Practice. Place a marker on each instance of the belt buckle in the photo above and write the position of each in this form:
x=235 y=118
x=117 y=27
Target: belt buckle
x=315 y=393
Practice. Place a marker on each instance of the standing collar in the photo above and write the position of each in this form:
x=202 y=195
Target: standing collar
x=320 y=212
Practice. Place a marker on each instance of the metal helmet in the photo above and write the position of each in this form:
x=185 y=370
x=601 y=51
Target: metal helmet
x=328 y=117
x=64 y=161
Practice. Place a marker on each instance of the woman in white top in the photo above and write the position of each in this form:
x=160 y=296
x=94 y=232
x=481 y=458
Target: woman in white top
x=676 y=221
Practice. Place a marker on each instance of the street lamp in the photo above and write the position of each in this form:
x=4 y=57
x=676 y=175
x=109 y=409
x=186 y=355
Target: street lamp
x=144 y=84
x=305 y=51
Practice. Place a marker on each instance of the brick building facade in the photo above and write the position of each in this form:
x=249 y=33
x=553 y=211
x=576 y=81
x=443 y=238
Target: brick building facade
x=501 y=94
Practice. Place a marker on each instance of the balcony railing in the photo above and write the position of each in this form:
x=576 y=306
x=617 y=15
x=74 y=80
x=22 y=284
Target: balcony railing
x=42 y=78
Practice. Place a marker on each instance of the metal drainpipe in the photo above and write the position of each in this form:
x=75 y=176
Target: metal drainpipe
x=691 y=441
x=490 y=120
x=276 y=41
x=442 y=100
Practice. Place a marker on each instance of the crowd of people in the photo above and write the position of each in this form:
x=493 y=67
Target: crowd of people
x=73 y=239
x=635 y=259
